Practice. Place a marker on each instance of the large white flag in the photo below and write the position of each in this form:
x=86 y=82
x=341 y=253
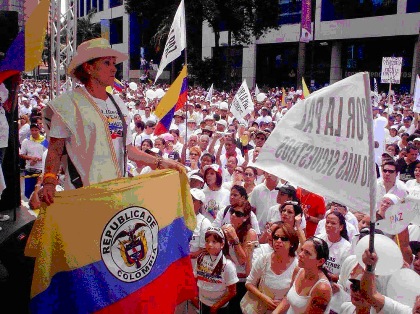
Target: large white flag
x=416 y=107
x=209 y=94
x=242 y=103
x=325 y=144
x=257 y=90
x=177 y=40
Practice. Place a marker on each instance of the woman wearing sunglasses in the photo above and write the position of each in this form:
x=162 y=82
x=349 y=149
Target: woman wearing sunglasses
x=271 y=274
x=311 y=290
x=238 y=235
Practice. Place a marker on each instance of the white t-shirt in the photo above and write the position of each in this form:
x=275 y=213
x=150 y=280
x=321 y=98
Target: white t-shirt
x=198 y=238
x=60 y=130
x=215 y=201
x=4 y=128
x=275 y=286
x=262 y=199
x=33 y=149
x=338 y=252
x=212 y=287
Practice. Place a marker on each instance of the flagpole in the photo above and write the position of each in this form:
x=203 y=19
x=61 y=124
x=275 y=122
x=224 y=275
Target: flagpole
x=186 y=64
x=372 y=168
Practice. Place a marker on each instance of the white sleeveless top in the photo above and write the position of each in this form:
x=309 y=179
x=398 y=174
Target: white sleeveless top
x=298 y=303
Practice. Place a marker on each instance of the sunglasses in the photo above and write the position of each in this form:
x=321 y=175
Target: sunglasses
x=238 y=170
x=193 y=154
x=291 y=202
x=283 y=239
x=388 y=171
x=355 y=285
x=237 y=213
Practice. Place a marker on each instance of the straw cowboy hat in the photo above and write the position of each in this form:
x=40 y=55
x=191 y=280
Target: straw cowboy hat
x=92 y=49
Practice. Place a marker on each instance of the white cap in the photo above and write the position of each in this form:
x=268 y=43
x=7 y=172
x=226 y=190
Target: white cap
x=198 y=195
x=224 y=106
x=222 y=122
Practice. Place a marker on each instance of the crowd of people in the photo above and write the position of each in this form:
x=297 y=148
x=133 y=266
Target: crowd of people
x=262 y=244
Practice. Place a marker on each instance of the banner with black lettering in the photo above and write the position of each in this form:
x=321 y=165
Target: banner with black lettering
x=323 y=144
x=242 y=102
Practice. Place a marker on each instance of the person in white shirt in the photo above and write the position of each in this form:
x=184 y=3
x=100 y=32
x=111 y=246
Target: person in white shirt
x=381 y=303
x=198 y=242
x=352 y=224
x=263 y=197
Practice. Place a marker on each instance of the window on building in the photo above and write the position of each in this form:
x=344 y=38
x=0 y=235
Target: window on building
x=88 y=6
x=81 y=8
x=116 y=30
x=95 y=5
x=100 y=5
x=413 y=6
x=351 y=9
x=290 y=11
x=115 y=3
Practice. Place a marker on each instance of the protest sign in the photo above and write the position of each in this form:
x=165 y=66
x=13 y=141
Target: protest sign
x=391 y=70
x=325 y=144
x=397 y=218
x=242 y=102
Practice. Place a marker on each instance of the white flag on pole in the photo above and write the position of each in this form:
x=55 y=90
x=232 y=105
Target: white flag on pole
x=176 y=42
x=416 y=107
x=209 y=93
x=257 y=90
x=242 y=103
x=325 y=144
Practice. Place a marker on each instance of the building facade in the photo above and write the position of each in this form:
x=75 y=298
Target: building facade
x=349 y=36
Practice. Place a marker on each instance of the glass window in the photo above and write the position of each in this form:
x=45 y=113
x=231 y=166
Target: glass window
x=81 y=8
x=290 y=11
x=413 y=6
x=100 y=5
x=115 y=3
x=88 y=6
x=94 y=5
x=351 y=9
x=116 y=30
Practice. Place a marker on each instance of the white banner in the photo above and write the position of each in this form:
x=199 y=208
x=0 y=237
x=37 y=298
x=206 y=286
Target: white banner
x=416 y=107
x=397 y=218
x=242 y=103
x=176 y=42
x=323 y=144
x=209 y=94
x=391 y=70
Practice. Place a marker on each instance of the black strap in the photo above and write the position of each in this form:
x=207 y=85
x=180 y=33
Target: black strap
x=75 y=178
x=225 y=212
x=124 y=131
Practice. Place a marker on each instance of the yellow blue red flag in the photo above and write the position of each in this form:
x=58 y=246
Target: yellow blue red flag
x=25 y=52
x=120 y=246
x=174 y=99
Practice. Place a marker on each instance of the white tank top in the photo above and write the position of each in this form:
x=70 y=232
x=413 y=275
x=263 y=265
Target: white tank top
x=298 y=303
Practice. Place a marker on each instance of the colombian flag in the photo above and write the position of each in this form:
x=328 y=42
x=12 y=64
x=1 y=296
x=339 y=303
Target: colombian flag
x=118 y=85
x=174 y=99
x=120 y=246
x=25 y=52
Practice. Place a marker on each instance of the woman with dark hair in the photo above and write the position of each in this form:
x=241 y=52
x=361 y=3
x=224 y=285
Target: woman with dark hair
x=250 y=174
x=146 y=144
x=239 y=234
x=276 y=268
x=217 y=197
x=238 y=197
x=393 y=150
x=311 y=290
x=338 y=243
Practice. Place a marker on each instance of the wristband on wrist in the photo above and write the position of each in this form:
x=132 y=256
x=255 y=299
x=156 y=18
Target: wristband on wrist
x=49 y=175
x=235 y=241
x=49 y=180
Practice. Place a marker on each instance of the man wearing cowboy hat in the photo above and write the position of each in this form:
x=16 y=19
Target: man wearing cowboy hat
x=91 y=125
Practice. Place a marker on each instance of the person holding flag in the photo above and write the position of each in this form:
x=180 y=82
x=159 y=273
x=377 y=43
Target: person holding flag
x=99 y=155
